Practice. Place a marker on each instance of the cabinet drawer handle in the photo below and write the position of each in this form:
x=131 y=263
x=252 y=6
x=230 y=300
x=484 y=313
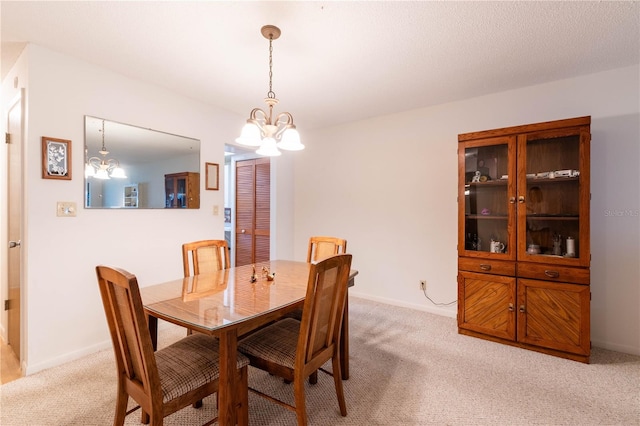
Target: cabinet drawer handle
x=512 y=200
x=485 y=267
x=521 y=199
x=522 y=309
x=552 y=274
x=510 y=307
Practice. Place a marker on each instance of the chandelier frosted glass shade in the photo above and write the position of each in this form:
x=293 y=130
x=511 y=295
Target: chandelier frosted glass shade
x=250 y=135
x=291 y=140
x=268 y=148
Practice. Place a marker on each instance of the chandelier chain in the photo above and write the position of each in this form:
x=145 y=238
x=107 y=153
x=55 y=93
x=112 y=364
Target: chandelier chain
x=271 y=94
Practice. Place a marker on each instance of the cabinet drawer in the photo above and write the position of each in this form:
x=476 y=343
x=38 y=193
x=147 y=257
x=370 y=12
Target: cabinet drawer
x=554 y=273
x=486 y=266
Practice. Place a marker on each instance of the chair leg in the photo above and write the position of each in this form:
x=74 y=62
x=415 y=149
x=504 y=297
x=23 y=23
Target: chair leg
x=313 y=378
x=337 y=379
x=121 y=407
x=301 y=409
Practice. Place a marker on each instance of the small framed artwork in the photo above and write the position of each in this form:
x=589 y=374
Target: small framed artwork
x=56 y=158
x=211 y=176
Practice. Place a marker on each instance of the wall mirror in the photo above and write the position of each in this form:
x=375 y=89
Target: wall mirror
x=125 y=167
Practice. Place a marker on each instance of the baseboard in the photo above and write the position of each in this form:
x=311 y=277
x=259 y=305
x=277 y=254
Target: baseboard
x=72 y=356
x=615 y=347
x=431 y=309
x=28 y=369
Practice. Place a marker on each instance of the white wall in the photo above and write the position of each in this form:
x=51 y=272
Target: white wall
x=64 y=318
x=388 y=185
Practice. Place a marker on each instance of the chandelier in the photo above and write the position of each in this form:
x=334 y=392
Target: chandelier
x=103 y=167
x=262 y=129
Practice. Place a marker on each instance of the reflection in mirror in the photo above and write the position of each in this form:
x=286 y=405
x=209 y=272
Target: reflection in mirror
x=144 y=156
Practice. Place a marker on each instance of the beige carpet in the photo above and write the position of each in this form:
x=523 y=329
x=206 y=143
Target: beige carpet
x=407 y=368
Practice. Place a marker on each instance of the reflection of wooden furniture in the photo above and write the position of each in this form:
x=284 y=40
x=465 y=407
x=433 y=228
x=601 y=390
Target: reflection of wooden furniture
x=131 y=196
x=321 y=247
x=159 y=381
x=295 y=349
x=253 y=193
x=535 y=194
x=182 y=190
x=206 y=256
x=237 y=308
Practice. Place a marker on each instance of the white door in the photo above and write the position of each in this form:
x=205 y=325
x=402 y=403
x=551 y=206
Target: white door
x=14 y=179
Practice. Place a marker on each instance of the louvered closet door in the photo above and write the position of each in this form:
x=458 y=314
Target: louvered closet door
x=253 y=210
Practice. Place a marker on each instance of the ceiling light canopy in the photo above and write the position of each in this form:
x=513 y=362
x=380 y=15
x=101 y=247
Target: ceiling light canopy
x=262 y=129
x=103 y=167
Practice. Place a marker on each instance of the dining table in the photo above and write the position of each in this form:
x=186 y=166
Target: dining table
x=231 y=303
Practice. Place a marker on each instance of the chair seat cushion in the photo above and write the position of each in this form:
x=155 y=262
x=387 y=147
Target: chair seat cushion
x=276 y=343
x=190 y=363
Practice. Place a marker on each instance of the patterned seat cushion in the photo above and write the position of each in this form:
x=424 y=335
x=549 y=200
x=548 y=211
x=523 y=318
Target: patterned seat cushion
x=276 y=343
x=190 y=363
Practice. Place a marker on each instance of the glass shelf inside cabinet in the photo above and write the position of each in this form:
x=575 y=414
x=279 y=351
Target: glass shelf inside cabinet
x=486 y=201
x=553 y=196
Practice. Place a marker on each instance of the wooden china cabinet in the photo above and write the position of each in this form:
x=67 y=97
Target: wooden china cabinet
x=182 y=190
x=523 y=236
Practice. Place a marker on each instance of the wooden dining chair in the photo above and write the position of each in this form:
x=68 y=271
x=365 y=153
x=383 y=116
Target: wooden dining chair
x=294 y=349
x=201 y=257
x=165 y=381
x=321 y=247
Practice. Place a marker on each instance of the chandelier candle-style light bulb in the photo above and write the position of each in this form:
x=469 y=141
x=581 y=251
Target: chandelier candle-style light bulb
x=262 y=129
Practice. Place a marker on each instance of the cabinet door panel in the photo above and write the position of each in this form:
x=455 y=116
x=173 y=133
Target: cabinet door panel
x=486 y=198
x=554 y=315
x=486 y=304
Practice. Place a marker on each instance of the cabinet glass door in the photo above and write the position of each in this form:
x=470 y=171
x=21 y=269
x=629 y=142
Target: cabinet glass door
x=488 y=172
x=550 y=196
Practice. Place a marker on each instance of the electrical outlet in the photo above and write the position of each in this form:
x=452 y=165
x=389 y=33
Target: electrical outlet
x=423 y=285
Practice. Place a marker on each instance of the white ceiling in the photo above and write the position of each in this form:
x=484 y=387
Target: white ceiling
x=335 y=61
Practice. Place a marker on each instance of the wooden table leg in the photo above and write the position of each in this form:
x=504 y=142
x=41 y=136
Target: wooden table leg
x=228 y=371
x=344 y=341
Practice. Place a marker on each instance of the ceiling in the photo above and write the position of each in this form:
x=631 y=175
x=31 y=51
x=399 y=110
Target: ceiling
x=335 y=62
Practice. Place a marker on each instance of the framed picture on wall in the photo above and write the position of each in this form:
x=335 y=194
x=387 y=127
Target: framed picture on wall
x=211 y=176
x=56 y=158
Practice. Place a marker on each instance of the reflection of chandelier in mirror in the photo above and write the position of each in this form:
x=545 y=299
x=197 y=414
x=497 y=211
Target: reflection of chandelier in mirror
x=263 y=131
x=103 y=167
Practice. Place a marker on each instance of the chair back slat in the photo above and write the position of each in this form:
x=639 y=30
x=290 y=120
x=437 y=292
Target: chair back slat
x=323 y=247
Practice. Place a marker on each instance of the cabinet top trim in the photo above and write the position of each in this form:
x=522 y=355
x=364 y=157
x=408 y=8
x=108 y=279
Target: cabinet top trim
x=527 y=128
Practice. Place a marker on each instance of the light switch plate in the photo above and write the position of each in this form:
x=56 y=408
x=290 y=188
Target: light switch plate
x=66 y=209
x=216 y=210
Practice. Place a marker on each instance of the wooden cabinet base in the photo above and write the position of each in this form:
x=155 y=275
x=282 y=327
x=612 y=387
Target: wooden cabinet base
x=574 y=357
